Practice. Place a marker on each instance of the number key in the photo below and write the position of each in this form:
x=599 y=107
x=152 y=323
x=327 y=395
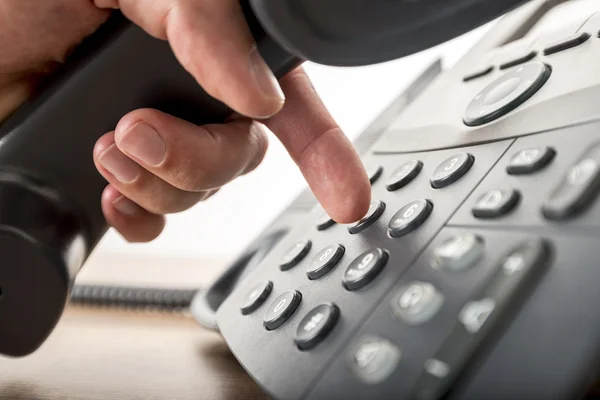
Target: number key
x=324 y=261
x=364 y=268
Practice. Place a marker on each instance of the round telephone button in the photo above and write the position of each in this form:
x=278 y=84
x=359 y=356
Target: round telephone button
x=459 y=252
x=256 y=296
x=295 y=254
x=375 y=210
x=316 y=325
x=506 y=93
x=403 y=175
x=409 y=217
x=451 y=169
x=374 y=359
x=374 y=172
x=364 y=269
x=324 y=261
x=324 y=222
x=281 y=309
x=417 y=302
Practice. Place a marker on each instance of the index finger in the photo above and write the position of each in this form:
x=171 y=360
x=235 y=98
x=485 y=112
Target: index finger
x=325 y=156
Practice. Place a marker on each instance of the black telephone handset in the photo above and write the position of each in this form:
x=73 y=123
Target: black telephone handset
x=50 y=215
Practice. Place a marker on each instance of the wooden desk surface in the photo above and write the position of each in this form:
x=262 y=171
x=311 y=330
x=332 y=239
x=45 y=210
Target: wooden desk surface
x=124 y=355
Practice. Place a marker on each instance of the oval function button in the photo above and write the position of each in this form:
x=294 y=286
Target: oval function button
x=295 y=254
x=324 y=261
x=577 y=189
x=281 y=309
x=527 y=161
x=496 y=203
x=451 y=170
x=364 y=268
x=417 y=302
x=403 y=175
x=409 y=217
x=506 y=93
x=316 y=325
x=374 y=359
x=375 y=210
x=256 y=296
x=459 y=252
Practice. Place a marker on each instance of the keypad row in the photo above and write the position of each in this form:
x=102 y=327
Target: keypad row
x=560 y=45
x=373 y=359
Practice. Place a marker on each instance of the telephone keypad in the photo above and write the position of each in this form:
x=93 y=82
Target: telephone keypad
x=451 y=170
x=375 y=210
x=495 y=203
x=365 y=268
x=324 y=261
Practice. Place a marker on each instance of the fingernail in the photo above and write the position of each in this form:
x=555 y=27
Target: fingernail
x=127 y=207
x=264 y=77
x=144 y=143
x=118 y=164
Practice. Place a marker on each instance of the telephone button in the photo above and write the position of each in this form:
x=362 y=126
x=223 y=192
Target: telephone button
x=295 y=254
x=364 y=269
x=403 y=175
x=531 y=160
x=496 y=203
x=578 y=188
x=409 y=217
x=514 y=276
x=324 y=222
x=506 y=93
x=256 y=296
x=451 y=169
x=417 y=302
x=316 y=325
x=458 y=252
x=324 y=261
x=281 y=309
x=374 y=172
x=567 y=43
x=478 y=73
x=519 y=60
x=374 y=359
x=375 y=210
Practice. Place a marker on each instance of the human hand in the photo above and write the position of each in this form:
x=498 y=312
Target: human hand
x=156 y=164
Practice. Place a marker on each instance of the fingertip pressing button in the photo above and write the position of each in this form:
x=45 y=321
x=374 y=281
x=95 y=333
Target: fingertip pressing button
x=375 y=210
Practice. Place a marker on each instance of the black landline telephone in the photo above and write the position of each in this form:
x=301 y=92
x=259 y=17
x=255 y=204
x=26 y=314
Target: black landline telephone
x=474 y=273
